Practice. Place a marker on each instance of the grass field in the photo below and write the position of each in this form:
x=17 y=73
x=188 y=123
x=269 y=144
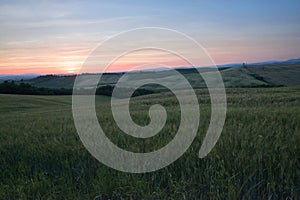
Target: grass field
x=257 y=156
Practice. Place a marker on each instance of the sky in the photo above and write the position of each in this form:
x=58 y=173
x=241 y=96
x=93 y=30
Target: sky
x=54 y=37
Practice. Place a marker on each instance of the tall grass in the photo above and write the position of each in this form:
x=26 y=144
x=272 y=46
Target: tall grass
x=257 y=156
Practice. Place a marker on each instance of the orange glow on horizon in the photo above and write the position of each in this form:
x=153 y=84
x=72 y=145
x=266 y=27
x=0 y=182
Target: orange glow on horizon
x=68 y=60
x=65 y=63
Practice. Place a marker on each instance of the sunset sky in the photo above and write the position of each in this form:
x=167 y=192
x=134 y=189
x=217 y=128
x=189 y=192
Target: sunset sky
x=50 y=37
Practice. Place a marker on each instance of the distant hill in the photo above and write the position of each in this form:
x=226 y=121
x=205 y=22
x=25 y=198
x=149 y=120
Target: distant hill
x=12 y=77
x=253 y=75
x=52 y=81
x=291 y=61
x=286 y=74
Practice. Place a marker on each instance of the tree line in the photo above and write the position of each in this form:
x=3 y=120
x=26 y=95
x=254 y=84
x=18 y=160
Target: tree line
x=10 y=87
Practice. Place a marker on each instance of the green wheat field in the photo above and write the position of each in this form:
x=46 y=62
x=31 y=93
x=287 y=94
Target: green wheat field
x=256 y=157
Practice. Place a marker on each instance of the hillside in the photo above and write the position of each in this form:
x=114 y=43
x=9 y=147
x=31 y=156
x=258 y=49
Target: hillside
x=284 y=74
x=280 y=74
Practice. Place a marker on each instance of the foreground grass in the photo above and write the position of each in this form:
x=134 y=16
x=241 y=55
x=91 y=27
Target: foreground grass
x=257 y=156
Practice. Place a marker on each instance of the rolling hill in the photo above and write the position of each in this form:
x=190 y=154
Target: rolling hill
x=279 y=74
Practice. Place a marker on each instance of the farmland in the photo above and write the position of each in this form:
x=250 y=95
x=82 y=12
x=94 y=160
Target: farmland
x=257 y=156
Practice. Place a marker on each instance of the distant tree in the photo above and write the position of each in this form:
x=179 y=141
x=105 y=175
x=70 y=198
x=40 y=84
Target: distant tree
x=24 y=88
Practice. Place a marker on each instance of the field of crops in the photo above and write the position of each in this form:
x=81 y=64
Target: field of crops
x=256 y=157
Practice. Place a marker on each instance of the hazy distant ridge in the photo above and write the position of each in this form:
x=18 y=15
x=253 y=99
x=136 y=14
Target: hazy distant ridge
x=271 y=73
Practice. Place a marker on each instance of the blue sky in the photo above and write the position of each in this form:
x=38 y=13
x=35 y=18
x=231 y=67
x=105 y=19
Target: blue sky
x=56 y=36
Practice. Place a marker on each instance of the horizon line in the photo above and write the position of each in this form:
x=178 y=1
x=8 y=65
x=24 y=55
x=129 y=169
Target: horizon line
x=224 y=65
